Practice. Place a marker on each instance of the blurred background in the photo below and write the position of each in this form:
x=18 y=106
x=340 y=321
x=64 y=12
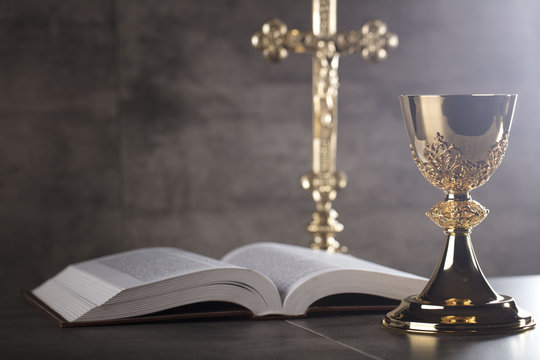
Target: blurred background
x=128 y=124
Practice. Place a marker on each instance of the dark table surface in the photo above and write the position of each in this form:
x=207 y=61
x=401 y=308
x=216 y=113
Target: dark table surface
x=26 y=334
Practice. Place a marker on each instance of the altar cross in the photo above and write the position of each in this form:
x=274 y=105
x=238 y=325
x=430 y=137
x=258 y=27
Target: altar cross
x=372 y=41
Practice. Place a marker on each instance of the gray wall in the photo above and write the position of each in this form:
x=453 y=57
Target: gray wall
x=136 y=123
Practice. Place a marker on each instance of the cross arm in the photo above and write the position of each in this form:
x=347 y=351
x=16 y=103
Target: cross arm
x=373 y=41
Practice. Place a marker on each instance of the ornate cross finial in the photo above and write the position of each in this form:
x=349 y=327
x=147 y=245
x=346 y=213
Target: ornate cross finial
x=372 y=41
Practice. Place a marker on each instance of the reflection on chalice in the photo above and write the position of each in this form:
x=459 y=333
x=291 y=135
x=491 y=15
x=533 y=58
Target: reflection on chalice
x=457 y=142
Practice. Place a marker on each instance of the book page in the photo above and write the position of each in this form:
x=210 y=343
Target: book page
x=284 y=265
x=289 y=266
x=137 y=267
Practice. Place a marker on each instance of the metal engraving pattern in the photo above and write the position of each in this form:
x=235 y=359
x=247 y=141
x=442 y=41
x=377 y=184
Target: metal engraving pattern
x=457 y=214
x=446 y=169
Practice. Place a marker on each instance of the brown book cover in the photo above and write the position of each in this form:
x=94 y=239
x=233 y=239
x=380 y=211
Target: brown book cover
x=336 y=304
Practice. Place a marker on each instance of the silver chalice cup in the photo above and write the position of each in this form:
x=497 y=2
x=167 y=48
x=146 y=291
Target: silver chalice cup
x=457 y=142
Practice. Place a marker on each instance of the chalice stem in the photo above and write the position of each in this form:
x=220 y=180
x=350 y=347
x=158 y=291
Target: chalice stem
x=458 y=279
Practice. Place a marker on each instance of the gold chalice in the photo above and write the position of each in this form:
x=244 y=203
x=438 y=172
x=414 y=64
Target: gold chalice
x=457 y=142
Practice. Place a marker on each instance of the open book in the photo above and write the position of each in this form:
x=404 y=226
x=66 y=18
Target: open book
x=264 y=278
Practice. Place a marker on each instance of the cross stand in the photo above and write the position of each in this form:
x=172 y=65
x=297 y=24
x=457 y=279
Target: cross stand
x=373 y=42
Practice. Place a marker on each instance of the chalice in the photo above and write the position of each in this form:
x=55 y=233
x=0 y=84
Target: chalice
x=457 y=142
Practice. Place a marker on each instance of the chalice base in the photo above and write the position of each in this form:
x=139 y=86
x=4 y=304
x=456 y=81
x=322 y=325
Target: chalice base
x=499 y=316
x=458 y=299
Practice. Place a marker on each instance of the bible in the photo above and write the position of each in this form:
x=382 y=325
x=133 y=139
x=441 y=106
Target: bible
x=261 y=279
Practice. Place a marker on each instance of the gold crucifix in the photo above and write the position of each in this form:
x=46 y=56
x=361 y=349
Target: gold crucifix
x=373 y=42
